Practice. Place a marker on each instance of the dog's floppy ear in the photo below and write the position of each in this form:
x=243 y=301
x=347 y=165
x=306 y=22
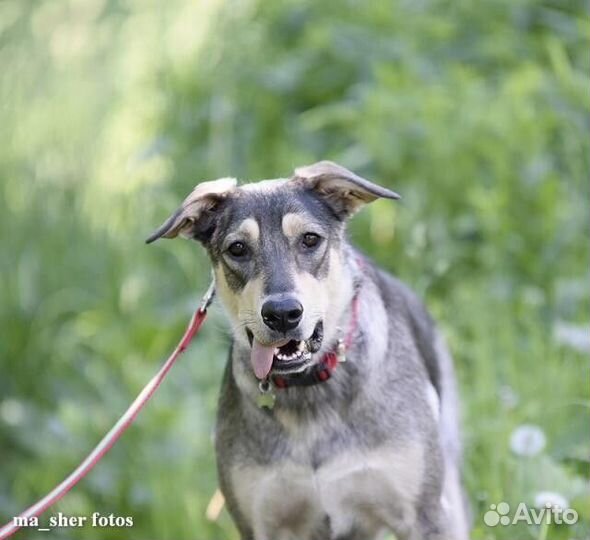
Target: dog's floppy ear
x=342 y=189
x=195 y=217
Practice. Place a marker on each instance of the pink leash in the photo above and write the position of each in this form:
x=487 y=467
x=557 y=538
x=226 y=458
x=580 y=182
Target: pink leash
x=119 y=428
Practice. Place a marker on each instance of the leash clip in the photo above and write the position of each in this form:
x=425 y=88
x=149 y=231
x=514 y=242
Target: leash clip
x=208 y=297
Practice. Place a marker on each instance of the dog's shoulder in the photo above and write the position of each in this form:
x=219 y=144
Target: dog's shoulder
x=401 y=302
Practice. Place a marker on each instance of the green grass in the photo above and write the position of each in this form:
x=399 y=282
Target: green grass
x=477 y=113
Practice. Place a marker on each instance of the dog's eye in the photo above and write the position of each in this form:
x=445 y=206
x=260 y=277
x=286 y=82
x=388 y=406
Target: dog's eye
x=310 y=240
x=237 y=249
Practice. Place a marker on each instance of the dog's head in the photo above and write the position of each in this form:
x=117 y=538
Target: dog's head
x=276 y=250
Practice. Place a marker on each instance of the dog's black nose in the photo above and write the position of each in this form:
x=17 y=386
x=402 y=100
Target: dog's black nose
x=282 y=314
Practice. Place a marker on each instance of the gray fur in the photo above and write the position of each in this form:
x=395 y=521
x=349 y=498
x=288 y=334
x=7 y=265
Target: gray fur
x=376 y=447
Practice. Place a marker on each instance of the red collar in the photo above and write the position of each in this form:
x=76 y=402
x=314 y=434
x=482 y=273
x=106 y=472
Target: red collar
x=322 y=371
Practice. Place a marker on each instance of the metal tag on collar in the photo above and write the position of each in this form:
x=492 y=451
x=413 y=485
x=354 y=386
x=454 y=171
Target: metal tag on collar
x=341 y=351
x=266 y=399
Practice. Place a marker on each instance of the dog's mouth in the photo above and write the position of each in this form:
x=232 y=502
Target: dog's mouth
x=284 y=357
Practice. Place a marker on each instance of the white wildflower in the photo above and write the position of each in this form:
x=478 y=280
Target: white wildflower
x=527 y=440
x=551 y=499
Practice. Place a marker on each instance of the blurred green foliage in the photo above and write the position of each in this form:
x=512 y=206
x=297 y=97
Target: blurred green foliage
x=476 y=112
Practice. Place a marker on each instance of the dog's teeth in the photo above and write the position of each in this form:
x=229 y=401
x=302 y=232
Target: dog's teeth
x=301 y=353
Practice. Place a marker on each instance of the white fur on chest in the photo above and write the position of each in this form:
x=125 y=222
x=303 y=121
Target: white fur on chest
x=376 y=488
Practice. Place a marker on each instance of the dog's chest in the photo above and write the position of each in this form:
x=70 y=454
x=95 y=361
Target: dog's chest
x=351 y=486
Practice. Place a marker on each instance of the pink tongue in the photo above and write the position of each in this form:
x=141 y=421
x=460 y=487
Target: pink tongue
x=261 y=358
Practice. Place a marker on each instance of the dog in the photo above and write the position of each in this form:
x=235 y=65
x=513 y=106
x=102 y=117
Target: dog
x=337 y=416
